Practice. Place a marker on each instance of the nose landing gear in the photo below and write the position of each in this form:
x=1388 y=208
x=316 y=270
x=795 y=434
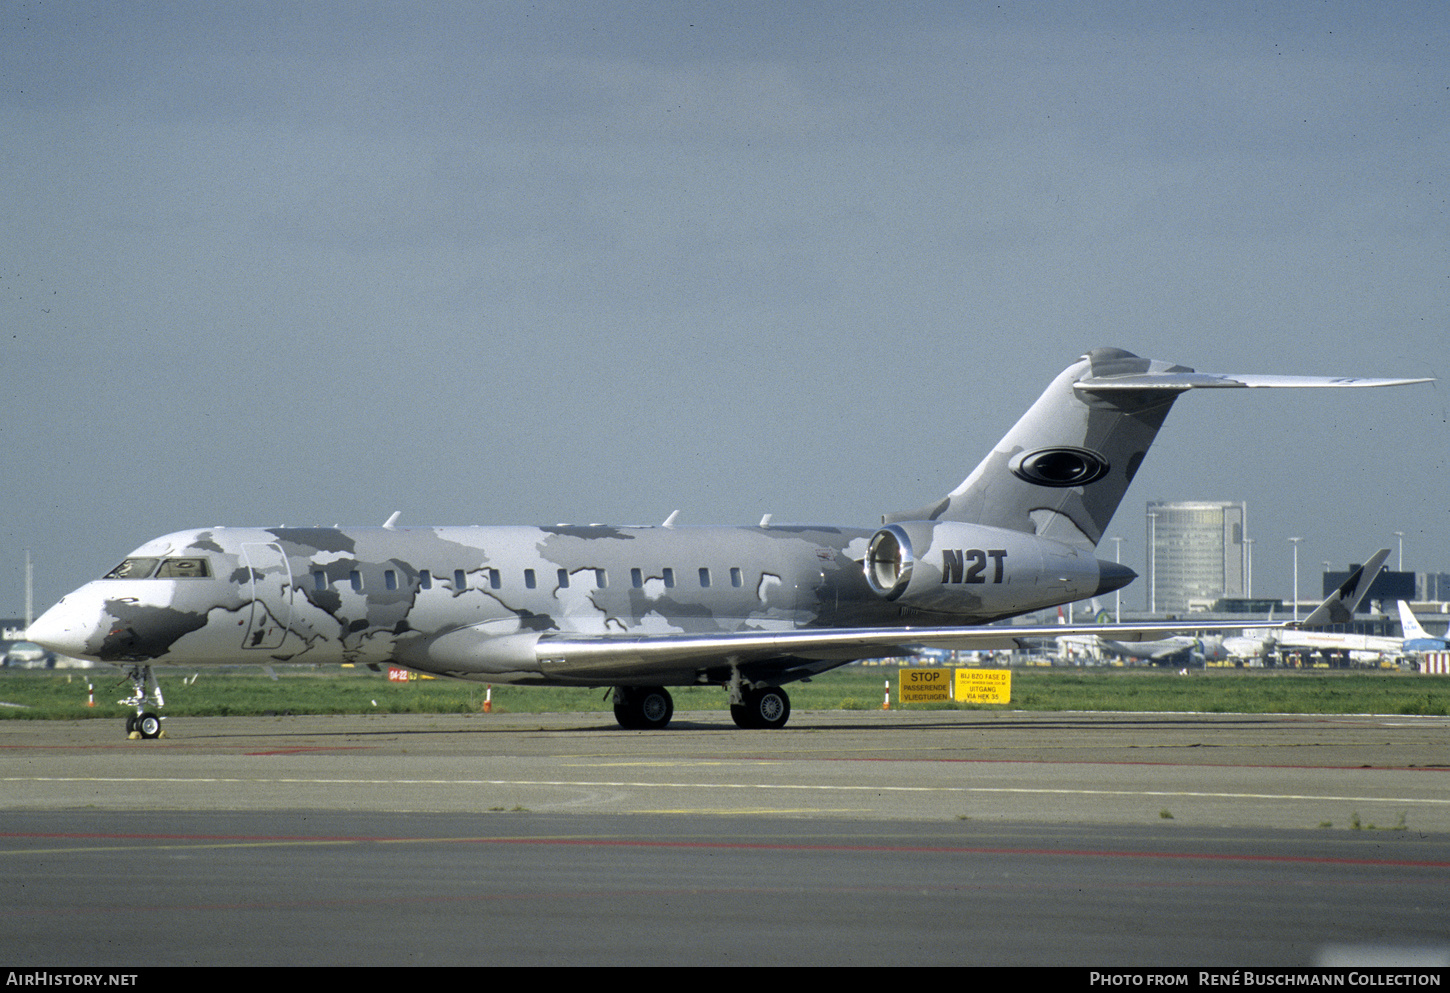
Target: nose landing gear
x=144 y=723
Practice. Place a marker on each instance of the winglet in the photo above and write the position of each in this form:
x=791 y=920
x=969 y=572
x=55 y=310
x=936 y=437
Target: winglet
x=1339 y=606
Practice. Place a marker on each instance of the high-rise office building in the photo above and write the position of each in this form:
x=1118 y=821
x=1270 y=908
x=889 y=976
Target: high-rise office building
x=1195 y=554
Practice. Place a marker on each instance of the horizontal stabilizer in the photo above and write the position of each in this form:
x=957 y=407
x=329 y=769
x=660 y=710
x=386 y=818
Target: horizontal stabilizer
x=1218 y=381
x=1062 y=470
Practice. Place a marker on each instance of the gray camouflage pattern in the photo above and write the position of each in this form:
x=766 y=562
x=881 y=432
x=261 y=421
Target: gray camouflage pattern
x=662 y=605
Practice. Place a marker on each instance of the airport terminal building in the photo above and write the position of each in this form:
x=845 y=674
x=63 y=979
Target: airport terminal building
x=1196 y=554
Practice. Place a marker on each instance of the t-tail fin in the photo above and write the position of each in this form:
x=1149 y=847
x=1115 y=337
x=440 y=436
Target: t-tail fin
x=1339 y=606
x=1410 y=625
x=1063 y=468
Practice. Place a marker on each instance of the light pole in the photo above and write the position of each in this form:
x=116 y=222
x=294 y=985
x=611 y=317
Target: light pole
x=1401 y=566
x=1152 y=563
x=1118 y=594
x=1295 y=543
x=1248 y=568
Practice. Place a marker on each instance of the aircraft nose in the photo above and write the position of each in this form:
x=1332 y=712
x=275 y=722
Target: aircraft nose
x=64 y=628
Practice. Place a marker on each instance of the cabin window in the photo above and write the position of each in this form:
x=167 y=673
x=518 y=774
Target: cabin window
x=319 y=581
x=601 y=578
x=529 y=581
x=735 y=578
x=495 y=579
x=669 y=576
x=704 y=578
x=390 y=579
x=425 y=580
x=460 y=581
x=636 y=578
x=563 y=579
x=355 y=578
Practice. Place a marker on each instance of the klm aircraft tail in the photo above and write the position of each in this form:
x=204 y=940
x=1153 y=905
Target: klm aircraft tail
x=1411 y=625
x=1062 y=470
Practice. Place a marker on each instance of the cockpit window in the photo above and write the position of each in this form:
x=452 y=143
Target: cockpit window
x=133 y=569
x=187 y=568
x=191 y=567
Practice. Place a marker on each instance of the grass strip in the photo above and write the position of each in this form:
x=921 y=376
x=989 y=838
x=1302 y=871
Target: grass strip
x=246 y=691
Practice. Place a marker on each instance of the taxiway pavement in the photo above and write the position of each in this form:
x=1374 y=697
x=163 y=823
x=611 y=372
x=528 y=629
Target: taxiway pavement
x=848 y=838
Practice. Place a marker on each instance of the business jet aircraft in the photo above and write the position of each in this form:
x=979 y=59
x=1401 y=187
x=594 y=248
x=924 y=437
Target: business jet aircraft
x=642 y=608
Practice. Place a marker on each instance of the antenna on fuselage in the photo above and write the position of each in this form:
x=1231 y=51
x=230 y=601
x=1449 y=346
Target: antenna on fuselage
x=392 y=520
x=670 y=521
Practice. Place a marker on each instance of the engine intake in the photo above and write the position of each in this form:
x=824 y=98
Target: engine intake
x=889 y=562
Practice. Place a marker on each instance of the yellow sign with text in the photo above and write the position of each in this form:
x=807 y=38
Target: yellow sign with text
x=924 y=685
x=983 y=686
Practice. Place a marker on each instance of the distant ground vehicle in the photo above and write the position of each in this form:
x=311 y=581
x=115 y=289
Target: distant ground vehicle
x=25 y=655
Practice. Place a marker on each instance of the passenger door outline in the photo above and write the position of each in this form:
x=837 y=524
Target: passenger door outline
x=271 y=579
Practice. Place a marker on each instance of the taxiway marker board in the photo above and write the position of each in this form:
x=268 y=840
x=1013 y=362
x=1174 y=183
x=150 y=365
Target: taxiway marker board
x=924 y=685
x=983 y=686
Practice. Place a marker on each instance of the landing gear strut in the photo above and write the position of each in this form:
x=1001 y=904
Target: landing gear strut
x=643 y=708
x=144 y=723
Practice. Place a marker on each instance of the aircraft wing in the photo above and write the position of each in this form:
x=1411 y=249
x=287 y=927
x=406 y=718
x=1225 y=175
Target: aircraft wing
x=576 y=656
x=583 y=657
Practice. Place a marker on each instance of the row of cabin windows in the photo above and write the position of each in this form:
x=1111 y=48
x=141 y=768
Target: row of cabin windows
x=493 y=579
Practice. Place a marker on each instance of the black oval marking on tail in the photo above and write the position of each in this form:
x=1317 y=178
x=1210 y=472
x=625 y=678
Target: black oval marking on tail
x=1060 y=466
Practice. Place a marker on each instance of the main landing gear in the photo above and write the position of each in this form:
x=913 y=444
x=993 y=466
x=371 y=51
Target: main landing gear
x=764 y=707
x=649 y=708
x=643 y=708
x=144 y=723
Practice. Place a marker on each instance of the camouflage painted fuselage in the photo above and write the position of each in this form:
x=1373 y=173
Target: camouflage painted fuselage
x=656 y=606
x=491 y=603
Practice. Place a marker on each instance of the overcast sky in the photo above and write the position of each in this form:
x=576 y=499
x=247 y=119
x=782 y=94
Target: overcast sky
x=311 y=263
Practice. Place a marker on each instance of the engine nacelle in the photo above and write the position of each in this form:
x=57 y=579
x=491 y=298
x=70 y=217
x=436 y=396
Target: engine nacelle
x=958 y=568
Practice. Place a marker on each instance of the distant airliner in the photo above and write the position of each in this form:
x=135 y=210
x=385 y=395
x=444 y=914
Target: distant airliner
x=1417 y=640
x=642 y=608
x=1254 y=642
x=1169 y=651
